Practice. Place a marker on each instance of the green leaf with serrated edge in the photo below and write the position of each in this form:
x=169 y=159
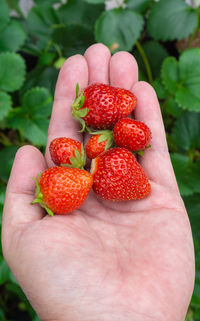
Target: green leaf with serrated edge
x=31 y=118
x=7 y=155
x=5 y=104
x=180 y=164
x=188 y=94
x=73 y=39
x=4 y=14
x=12 y=71
x=14 y=31
x=33 y=128
x=37 y=102
x=138 y=5
x=172 y=107
x=170 y=74
x=119 y=29
x=161 y=91
x=170 y=20
x=186 y=132
x=80 y=13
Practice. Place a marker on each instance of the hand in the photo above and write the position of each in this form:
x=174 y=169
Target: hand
x=107 y=261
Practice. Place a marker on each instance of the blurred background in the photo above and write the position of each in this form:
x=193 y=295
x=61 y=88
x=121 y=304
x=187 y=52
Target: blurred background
x=36 y=37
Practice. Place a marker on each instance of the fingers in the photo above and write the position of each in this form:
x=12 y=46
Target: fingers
x=98 y=59
x=28 y=163
x=156 y=161
x=62 y=124
x=123 y=70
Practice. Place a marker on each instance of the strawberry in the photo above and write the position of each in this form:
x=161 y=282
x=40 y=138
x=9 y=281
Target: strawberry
x=62 y=190
x=118 y=176
x=98 y=143
x=100 y=106
x=131 y=134
x=67 y=152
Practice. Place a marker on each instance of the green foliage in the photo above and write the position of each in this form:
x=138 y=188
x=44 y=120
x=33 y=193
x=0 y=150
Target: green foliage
x=31 y=117
x=4 y=14
x=182 y=79
x=171 y=19
x=12 y=71
x=33 y=49
x=119 y=29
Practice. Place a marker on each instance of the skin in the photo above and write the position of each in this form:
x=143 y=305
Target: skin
x=107 y=261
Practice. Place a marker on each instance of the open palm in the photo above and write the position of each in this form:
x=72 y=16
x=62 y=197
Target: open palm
x=107 y=261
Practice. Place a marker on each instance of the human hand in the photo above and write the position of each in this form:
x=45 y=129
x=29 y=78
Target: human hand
x=106 y=261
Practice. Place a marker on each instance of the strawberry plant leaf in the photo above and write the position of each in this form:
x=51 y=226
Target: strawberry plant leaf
x=119 y=29
x=37 y=102
x=182 y=78
x=14 y=31
x=169 y=74
x=41 y=21
x=180 y=164
x=80 y=13
x=172 y=107
x=5 y=104
x=12 y=71
x=35 y=129
x=4 y=14
x=32 y=117
x=186 y=132
x=161 y=91
x=177 y=15
x=188 y=95
x=138 y=5
x=7 y=155
x=73 y=39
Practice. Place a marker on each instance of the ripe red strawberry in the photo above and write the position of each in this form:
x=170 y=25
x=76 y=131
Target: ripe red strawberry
x=101 y=106
x=131 y=134
x=118 y=176
x=67 y=152
x=98 y=143
x=62 y=190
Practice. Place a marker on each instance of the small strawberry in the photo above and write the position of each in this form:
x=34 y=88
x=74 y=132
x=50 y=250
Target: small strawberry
x=67 y=152
x=98 y=143
x=62 y=190
x=131 y=134
x=118 y=176
x=100 y=106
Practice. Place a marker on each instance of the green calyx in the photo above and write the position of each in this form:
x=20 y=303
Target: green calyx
x=78 y=160
x=77 y=111
x=141 y=152
x=105 y=135
x=39 y=197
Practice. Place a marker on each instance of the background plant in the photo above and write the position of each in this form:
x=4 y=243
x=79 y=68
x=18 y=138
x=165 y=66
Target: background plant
x=164 y=36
